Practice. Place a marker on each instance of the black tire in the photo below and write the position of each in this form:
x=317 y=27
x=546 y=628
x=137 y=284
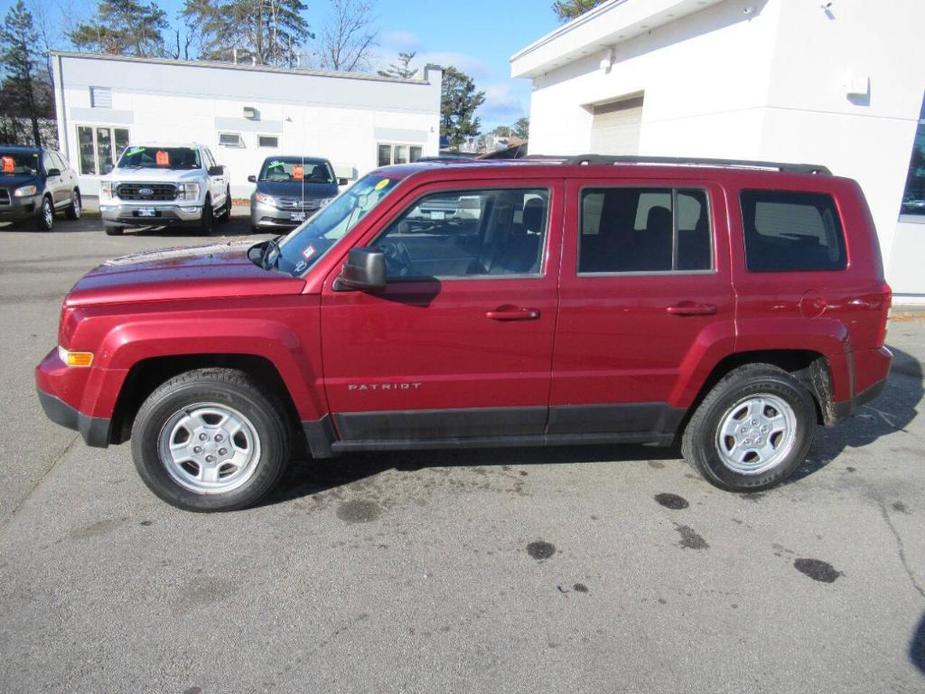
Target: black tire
x=208 y=220
x=75 y=209
x=227 y=387
x=45 y=215
x=700 y=442
x=226 y=208
x=113 y=230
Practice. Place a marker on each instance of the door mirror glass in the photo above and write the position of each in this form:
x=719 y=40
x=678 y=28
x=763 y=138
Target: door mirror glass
x=252 y=178
x=364 y=270
x=342 y=181
x=216 y=170
x=51 y=173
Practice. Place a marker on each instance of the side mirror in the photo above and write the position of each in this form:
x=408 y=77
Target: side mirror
x=364 y=270
x=217 y=170
x=252 y=178
x=343 y=181
x=53 y=172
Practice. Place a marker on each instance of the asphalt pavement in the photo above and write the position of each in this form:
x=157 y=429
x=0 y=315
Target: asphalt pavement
x=585 y=569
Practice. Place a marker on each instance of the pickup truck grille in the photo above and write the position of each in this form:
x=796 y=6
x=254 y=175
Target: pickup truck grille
x=147 y=191
x=4 y=197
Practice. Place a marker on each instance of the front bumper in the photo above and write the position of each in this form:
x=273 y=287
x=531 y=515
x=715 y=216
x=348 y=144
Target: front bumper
x=270 y=217
x=95 y=431
x=124 y=214
x=19 y=208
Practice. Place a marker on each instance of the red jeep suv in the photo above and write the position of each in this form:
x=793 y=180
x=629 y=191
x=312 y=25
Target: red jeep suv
x=732 y=306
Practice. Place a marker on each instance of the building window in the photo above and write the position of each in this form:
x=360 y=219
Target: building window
x=99 y=147
x=397 y=154
x=267 y=141
x=913 y=205
x=230 y=140
x=100 y=97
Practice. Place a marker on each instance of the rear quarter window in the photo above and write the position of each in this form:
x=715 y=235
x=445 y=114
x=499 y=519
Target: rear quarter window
x=791 y=231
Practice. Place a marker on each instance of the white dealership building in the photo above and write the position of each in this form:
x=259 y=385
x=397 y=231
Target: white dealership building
x=243 y=113
x=837 y=83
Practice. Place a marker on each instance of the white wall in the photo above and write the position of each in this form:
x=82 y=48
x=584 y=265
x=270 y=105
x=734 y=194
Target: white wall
x=340 y=118
x=766 y=79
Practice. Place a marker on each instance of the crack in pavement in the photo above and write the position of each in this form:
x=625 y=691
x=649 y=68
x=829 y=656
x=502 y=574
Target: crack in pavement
x=54 y=463
x=900 y=547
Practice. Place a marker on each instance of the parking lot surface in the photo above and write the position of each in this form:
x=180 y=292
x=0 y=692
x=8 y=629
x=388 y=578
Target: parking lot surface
x=598 y=569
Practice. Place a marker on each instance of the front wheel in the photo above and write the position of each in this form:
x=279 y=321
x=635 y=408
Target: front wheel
x=752 y=430
x=210 y=440
x=45 y=216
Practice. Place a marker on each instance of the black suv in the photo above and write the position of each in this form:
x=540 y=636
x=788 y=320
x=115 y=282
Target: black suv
x=36 y=182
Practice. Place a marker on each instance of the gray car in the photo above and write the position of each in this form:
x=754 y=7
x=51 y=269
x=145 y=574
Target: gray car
x=35 y=183
x=290 y=190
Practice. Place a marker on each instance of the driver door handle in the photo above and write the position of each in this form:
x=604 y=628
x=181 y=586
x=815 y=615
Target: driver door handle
x=508 y=312
x=690 y=308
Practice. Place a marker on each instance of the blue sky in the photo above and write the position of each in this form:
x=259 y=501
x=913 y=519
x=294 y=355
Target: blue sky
x=477 y=36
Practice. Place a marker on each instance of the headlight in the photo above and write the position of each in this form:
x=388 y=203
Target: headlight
x=265 y=199
x=106 y=189
x=188 y=191
x=25 y=191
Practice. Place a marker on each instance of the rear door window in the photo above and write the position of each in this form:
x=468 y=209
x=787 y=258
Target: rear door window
x=791 y=231
x=644 y=230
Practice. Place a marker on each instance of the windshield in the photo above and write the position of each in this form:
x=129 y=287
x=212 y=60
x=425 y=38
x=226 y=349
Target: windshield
x=19 y=163
x=174 y=158
x=309 y=241
x=296 y=169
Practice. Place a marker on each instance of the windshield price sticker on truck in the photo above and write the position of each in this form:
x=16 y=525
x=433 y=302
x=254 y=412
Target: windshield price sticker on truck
x=298 y=172
x=162 y=158
x=9 y=165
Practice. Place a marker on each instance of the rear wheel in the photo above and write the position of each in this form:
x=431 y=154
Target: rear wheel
x=74 y=209
x=45 y=215
x=114 y=230
x=752 y=430
x=210 y=440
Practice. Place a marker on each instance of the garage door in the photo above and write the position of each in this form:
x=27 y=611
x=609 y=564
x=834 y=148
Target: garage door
x=615 y=127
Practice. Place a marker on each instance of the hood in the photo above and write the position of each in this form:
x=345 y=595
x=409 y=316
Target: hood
x=294 y=189
x=16 y=180
x=204 y=272
x=126 y=174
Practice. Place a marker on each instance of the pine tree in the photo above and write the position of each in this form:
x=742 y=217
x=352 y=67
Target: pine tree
x=458 y=105
x=569 y=9
x=25 y=94
x=402 y=69
x=124 y=27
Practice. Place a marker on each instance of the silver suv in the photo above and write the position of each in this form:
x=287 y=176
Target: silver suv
x=165 y=185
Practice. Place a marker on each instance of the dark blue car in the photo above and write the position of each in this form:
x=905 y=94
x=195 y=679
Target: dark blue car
x=36 y=183
x=290 y=190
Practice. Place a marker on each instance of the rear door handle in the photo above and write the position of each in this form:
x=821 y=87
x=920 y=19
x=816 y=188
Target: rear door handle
x=508 y=312
x=689 y=308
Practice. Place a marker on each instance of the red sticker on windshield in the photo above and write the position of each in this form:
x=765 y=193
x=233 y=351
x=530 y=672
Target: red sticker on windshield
x=162 y=158
x=298 y=172
x=9 y=165
x=308 y=252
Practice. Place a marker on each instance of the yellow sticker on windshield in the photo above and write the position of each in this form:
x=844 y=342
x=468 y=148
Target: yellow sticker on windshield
x=382 y=184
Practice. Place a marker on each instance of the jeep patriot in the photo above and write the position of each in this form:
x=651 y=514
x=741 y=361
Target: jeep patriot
x=729 y=306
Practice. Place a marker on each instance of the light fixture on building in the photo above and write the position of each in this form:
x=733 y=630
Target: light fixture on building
x=607 y=61
x=250 y=113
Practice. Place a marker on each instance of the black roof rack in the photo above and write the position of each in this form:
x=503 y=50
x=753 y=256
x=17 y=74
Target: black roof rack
x=588 y=159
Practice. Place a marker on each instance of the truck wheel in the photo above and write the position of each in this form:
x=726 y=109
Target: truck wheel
x=210 y=440
x=74 y=209
x=114 y=231
x=208 y=220
x=45 y=215
x=752 y=430
x=226 y=208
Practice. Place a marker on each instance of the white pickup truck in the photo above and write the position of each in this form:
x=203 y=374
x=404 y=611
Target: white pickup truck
x=165 y=185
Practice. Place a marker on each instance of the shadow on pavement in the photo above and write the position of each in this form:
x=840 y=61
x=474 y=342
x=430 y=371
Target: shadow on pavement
x=892 y=411
x=309 y=477
x=917 y=646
